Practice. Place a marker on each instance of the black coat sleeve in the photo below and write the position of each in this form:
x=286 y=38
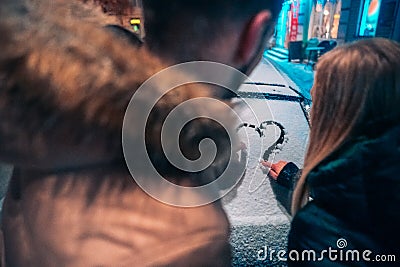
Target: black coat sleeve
x=284 y=185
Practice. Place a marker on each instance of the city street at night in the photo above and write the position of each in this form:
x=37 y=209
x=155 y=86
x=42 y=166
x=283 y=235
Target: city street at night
x=199 y=133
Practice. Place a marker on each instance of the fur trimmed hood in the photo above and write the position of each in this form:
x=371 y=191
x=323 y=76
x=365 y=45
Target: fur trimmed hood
x=65 y=83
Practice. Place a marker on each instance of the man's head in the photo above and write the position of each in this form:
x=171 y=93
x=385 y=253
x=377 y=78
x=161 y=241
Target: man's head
x=228 y=31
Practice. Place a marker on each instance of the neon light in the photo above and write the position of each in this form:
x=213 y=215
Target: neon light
x=369 y=18
x=135 y=21
x=294 y=26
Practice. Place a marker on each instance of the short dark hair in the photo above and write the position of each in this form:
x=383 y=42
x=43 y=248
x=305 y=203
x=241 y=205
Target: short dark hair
x=168 y=23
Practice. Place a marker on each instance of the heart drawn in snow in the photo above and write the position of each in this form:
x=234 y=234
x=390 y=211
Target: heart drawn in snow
x=260 y=130
x=254 y=184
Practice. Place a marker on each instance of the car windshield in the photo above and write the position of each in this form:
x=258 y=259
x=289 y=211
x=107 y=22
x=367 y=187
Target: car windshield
x=275 y=124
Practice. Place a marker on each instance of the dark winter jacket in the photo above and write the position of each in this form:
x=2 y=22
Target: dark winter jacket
x=355 y=206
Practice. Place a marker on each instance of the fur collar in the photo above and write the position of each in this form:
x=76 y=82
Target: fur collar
x=65 y=83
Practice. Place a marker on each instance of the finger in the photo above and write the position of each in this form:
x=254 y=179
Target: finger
x=266 y=163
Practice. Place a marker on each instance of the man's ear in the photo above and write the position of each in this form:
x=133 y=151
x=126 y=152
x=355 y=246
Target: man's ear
x=251 y=38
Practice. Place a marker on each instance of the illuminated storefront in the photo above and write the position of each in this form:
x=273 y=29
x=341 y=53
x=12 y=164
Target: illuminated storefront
x=340 y=20
x=369 y=18
x=282 y=28
x=325 y=17
x=301 y=20
x=290 y=24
